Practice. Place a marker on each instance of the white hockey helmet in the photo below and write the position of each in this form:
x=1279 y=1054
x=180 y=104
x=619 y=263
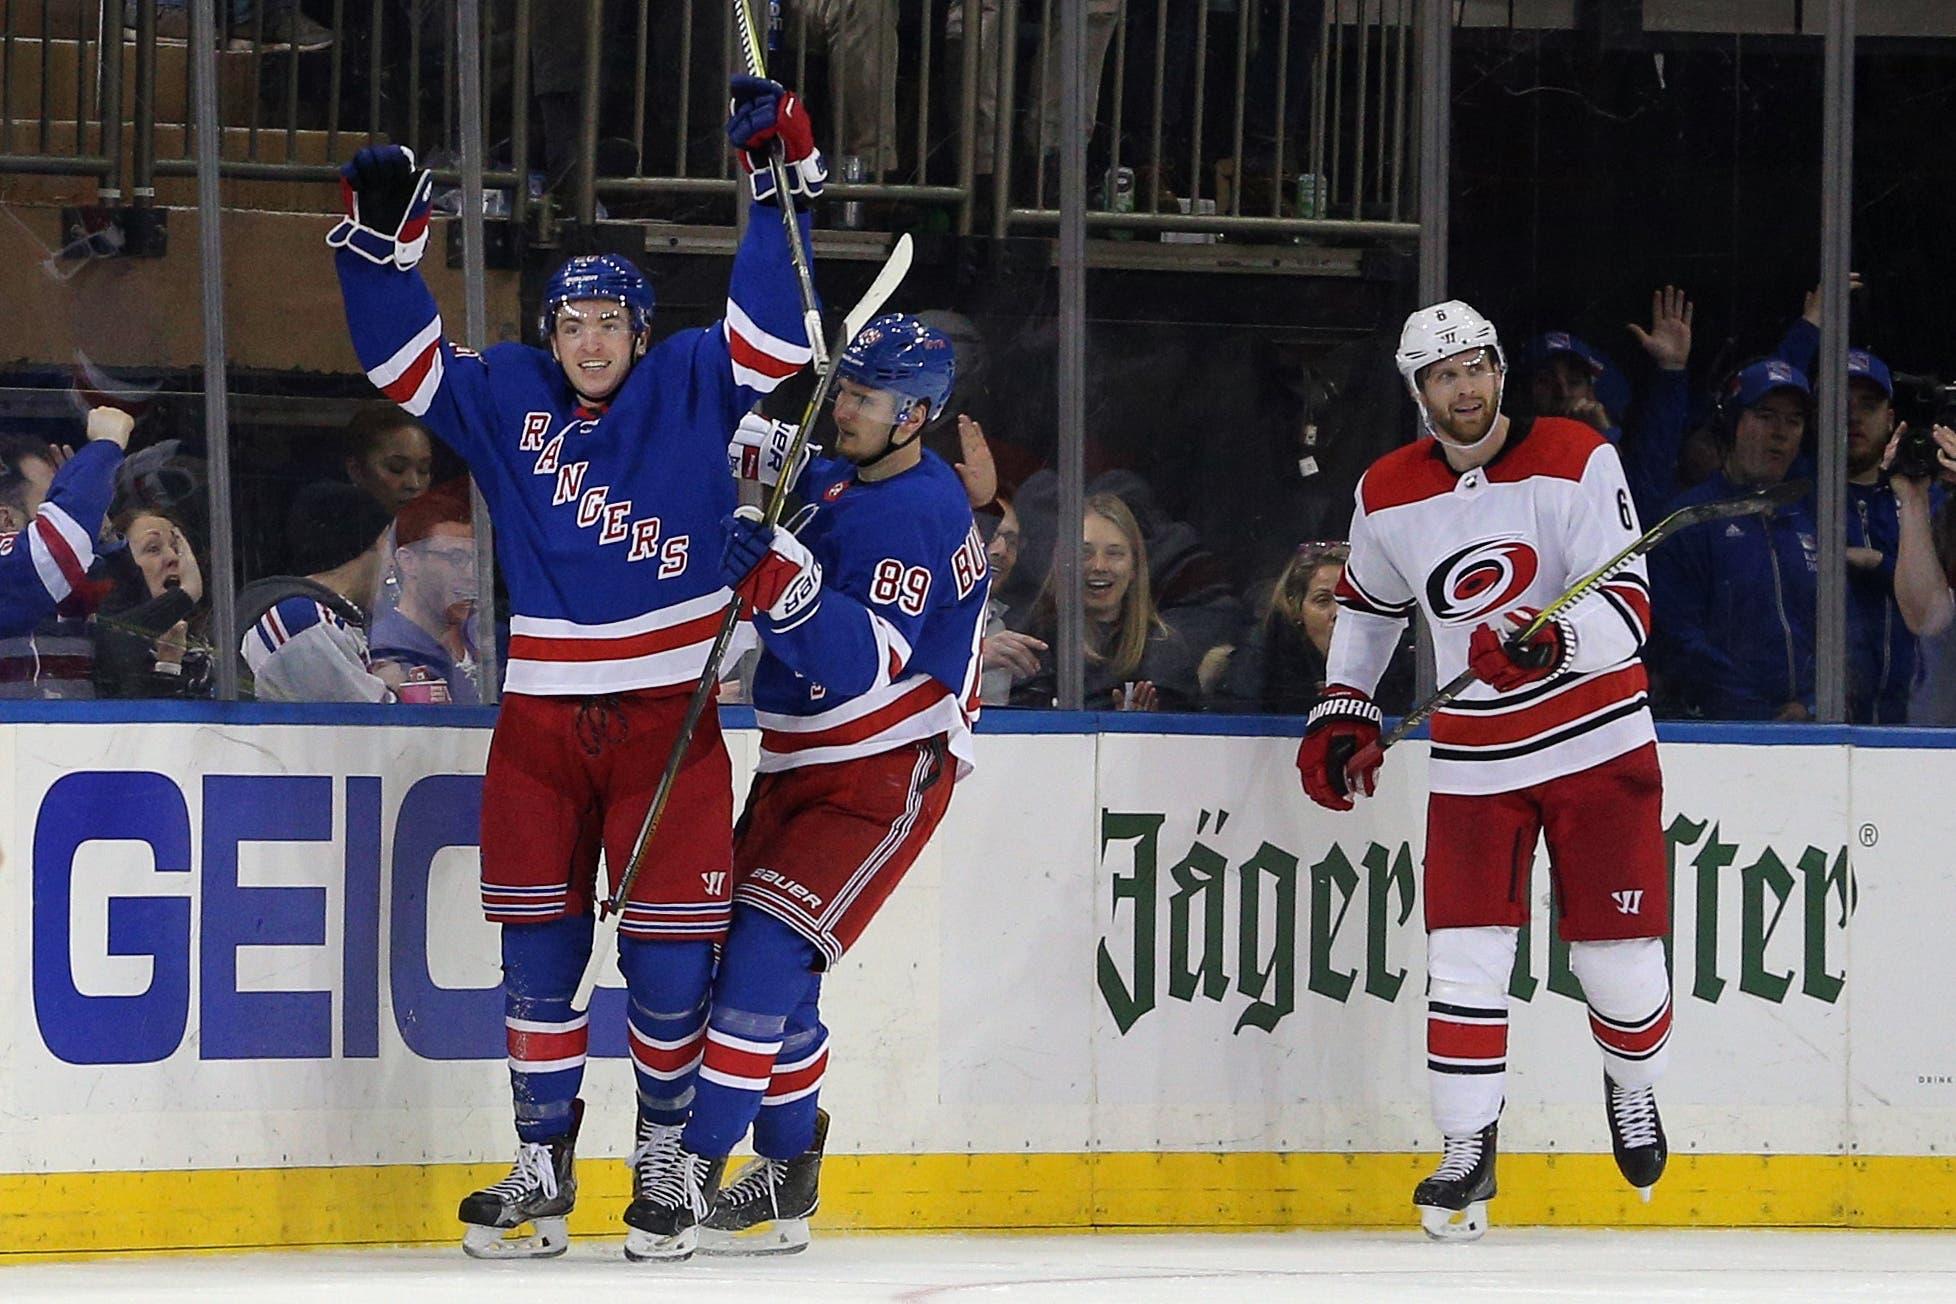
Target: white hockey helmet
x=1440 y=332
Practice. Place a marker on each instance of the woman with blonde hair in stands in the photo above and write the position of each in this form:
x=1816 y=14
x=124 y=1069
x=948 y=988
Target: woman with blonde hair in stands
x=1134 y=660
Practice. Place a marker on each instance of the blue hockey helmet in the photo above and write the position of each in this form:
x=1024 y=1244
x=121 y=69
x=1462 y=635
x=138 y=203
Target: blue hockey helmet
x=596 y=276
x=898 y=353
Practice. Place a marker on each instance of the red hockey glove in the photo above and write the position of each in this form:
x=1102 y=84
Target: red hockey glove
x=1343 y=722
x=1541 y=657
x=386 y=197
x=769 y=568
x=759 y=450
x=763 y=111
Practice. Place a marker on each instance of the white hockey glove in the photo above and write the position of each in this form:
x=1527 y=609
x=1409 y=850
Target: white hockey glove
x=387 y=200
x=759 y=449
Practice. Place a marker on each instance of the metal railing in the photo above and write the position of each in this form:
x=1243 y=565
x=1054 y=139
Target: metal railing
x=1247 y=116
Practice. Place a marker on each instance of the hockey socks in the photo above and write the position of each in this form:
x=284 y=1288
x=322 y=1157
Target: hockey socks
x=785 y=1128
x=1467 y=1025
x=547 y=1041
x=668 y=983
x=766 y=971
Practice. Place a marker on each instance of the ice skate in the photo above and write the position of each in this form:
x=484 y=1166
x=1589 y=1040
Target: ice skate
x=1452 y=1202
x=541 y=1189
x=672 y=1190
x=766 y=1209
x=1636 y=1134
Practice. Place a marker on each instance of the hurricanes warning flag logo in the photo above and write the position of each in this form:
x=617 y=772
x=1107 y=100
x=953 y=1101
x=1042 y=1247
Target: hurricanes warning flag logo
x=1484 y=577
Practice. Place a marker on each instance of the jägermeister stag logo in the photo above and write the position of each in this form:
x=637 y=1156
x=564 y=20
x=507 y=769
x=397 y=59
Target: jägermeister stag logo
x=1237 y=932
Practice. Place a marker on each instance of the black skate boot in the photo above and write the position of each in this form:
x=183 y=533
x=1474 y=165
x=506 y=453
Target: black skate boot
x=766 y=1209
x=540 y=1189
x=1452 y=1202
x=1636 y=1134
x=672 y=1189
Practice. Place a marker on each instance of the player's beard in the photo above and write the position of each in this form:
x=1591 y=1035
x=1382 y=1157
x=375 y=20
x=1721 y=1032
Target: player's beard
x=1451 y=429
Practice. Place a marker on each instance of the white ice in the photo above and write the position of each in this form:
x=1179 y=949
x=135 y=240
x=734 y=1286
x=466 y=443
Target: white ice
x=1644 y=1267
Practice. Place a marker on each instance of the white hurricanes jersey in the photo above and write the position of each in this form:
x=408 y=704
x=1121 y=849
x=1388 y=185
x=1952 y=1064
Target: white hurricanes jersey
x=1466 y=548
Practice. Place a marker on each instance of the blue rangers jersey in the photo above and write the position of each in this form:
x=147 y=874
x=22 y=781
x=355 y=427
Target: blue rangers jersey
x=45 y=563
x=607 y=523
x=889 y=653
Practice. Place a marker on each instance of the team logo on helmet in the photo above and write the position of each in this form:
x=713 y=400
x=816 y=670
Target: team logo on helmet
x=1480 y=579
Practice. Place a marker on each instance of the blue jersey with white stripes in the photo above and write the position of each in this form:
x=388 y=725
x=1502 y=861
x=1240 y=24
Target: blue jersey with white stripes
x=46 y=562
x=888 y=654
x=607 y=522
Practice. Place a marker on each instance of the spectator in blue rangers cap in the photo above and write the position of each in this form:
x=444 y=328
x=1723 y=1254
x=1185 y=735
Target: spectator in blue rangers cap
x=1734 y=599
x=1568 y=377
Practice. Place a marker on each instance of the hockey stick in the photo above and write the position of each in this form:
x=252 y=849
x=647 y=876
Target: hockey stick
x=611 y=911
x=811 y=314
x=1761 y=503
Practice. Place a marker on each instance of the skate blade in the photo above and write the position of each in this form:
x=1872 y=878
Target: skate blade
x=1644 y=1192
x=1454 y=1225
x=550 y=1239
x=649 y=1247
x=779 y=1236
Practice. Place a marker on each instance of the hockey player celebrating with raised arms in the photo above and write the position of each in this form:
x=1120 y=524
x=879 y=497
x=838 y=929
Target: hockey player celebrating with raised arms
x=602 y=459
x=869 y=612
x=1479 y=528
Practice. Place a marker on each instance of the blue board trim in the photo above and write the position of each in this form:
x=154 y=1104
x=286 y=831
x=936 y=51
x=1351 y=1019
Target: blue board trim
x=994 y=721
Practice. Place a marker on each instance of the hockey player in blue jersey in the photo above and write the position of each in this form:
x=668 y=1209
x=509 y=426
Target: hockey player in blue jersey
x=870 y=613
x=601 y=457
x=53 y=511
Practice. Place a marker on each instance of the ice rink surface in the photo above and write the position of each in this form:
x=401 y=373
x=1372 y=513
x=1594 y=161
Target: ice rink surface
x=1322 y=1267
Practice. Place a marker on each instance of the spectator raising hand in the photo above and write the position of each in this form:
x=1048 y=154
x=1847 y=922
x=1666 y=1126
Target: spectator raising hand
x=1668 y=341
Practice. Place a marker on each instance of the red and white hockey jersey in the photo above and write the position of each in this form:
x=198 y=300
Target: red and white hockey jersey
x=1467 y=547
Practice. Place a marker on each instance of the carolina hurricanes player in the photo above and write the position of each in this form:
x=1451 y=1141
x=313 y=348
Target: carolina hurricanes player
x=1478 y=528
x=603 y=462
x=869 y=613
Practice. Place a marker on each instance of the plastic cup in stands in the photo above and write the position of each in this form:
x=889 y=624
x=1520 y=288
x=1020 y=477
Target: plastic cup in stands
x=1127 y=696
x=424 y=692
x=851 y=214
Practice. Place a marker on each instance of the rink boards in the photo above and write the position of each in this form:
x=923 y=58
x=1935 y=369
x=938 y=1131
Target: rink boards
x=1136 y=981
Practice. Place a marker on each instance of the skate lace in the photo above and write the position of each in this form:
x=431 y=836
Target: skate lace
x=664 y=1173
x=533 y=1173
x=1635 y=1112
x=760 y=1181
x=1458 y=1158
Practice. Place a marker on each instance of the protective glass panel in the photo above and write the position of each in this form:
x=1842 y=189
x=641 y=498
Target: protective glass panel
x=356 y=567
x=1636 y=207
x=104 y=556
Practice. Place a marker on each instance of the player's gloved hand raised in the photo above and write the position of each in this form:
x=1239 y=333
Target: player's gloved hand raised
x=1342 y=724
x=386 y=196
x=769 y=568
x=763 y=111
x=759 y=449
x=1542 y=656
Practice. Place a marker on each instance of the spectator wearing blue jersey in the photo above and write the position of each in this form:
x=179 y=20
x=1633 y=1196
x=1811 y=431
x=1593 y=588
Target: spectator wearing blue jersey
x=1734 y=599
x=52 y=506
x=303 y=637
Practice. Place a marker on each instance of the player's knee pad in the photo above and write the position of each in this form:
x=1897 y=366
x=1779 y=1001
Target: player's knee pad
x=1470 y=966
x=545 y=961
x=665 y=978
x=1622 y=980
x=1628 y=990
x=767 y=967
